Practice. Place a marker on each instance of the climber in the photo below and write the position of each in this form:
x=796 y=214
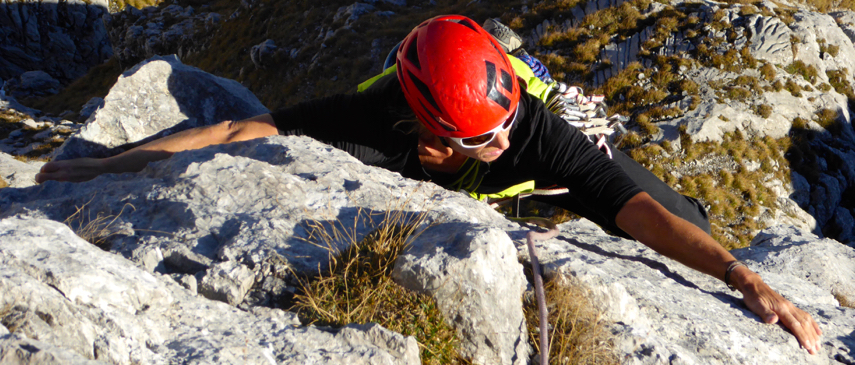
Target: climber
x=461 y=120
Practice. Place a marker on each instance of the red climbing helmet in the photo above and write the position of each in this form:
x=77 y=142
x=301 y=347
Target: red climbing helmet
x=456 y=77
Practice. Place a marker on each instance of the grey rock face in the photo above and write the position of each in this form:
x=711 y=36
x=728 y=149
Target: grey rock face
x=473 y=273
x=16 y=349
x=32 y=83
x=664 y=312
x=16 y=173
x=94 y=305
x=61 y=38
x=770 y=39
x=782 y=250
x=261 y=53
x=227 y=282
x=167 y=96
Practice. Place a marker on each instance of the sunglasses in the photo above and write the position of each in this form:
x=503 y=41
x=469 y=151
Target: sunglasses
x=485 y=139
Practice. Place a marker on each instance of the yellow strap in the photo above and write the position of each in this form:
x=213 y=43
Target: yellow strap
x=523 y=188
x=367 y=83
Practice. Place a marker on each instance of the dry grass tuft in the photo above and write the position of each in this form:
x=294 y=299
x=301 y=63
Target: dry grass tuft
x=843 y=300
x=94 y=230
x=118 y=5
x=357 y=288
x=735 y=197
x=3 y=183
x=579 y=334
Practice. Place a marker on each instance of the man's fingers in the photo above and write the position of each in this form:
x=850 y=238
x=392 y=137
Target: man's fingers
x=804 y=328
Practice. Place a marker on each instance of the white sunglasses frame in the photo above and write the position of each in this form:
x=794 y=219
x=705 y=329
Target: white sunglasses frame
x=495 y=131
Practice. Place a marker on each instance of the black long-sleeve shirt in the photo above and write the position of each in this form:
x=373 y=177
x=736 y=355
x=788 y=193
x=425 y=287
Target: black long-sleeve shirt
x=543 y=147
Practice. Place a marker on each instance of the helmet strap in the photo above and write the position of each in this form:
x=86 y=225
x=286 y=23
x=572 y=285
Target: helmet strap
x=444 y=142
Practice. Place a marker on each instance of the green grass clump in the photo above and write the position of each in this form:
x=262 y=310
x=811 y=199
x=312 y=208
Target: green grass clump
x=793 y=88
x=118 y=5
x=808 y=72
x=829 y=119
x=768 y=71
x=840 y=83
x=764 y=110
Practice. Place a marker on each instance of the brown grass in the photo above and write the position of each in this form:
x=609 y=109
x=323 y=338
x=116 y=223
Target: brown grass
x=578 y=333
x=3 y=183
x=734 y=197
x=843 y=300
x=95 y=230
x=118 y=5
x=357 y=288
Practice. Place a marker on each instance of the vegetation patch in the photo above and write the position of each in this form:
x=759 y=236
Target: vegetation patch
x=95 y=229
x=118 y=5
x=808 y=72
x=578 y=333
x=357 y=288
x=734 y=192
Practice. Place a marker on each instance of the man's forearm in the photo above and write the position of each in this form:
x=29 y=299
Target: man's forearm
x=137 y=158
x=676 y=238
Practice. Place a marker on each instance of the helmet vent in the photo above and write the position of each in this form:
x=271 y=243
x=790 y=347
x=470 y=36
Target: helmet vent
x=424 y=90
x=466 y=22
x=413 y=54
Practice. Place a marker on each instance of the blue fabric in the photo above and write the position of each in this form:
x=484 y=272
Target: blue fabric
x=537 y=67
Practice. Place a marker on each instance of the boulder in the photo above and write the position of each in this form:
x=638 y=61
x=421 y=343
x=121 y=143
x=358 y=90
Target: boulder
x=18 y=174
x=83 y=303
x=664 y=312
x=167 y=96
x=473 y=273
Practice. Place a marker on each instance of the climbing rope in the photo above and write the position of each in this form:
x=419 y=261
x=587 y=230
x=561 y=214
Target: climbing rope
x=538 y=277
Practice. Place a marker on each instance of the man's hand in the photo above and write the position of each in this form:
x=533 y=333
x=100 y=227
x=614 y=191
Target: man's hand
x=77 y=170
x=772 y=307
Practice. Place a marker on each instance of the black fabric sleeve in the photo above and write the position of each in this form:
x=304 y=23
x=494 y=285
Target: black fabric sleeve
x=571 y=160
x=361 y=124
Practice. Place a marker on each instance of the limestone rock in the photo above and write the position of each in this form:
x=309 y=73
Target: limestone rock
x=167 y=96
x=664 y=312
x=137 y=35
x=227 y=282
x=16 y=173
x=16 y=349
x=32 y=84
x=784 y=250
x=94 y=305
x=473 y=273
x=770 y=39
x=262 y=53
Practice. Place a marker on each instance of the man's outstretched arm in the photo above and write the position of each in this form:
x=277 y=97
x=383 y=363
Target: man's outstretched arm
x=651 y=224
x=136 y=159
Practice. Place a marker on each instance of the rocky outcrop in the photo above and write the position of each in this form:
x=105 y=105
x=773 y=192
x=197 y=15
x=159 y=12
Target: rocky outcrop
x=18 y=174
x=66 y=301
x=167 y=96
x=60 y=38
x=664 y=312
x=193 y=238
x=244 y=207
